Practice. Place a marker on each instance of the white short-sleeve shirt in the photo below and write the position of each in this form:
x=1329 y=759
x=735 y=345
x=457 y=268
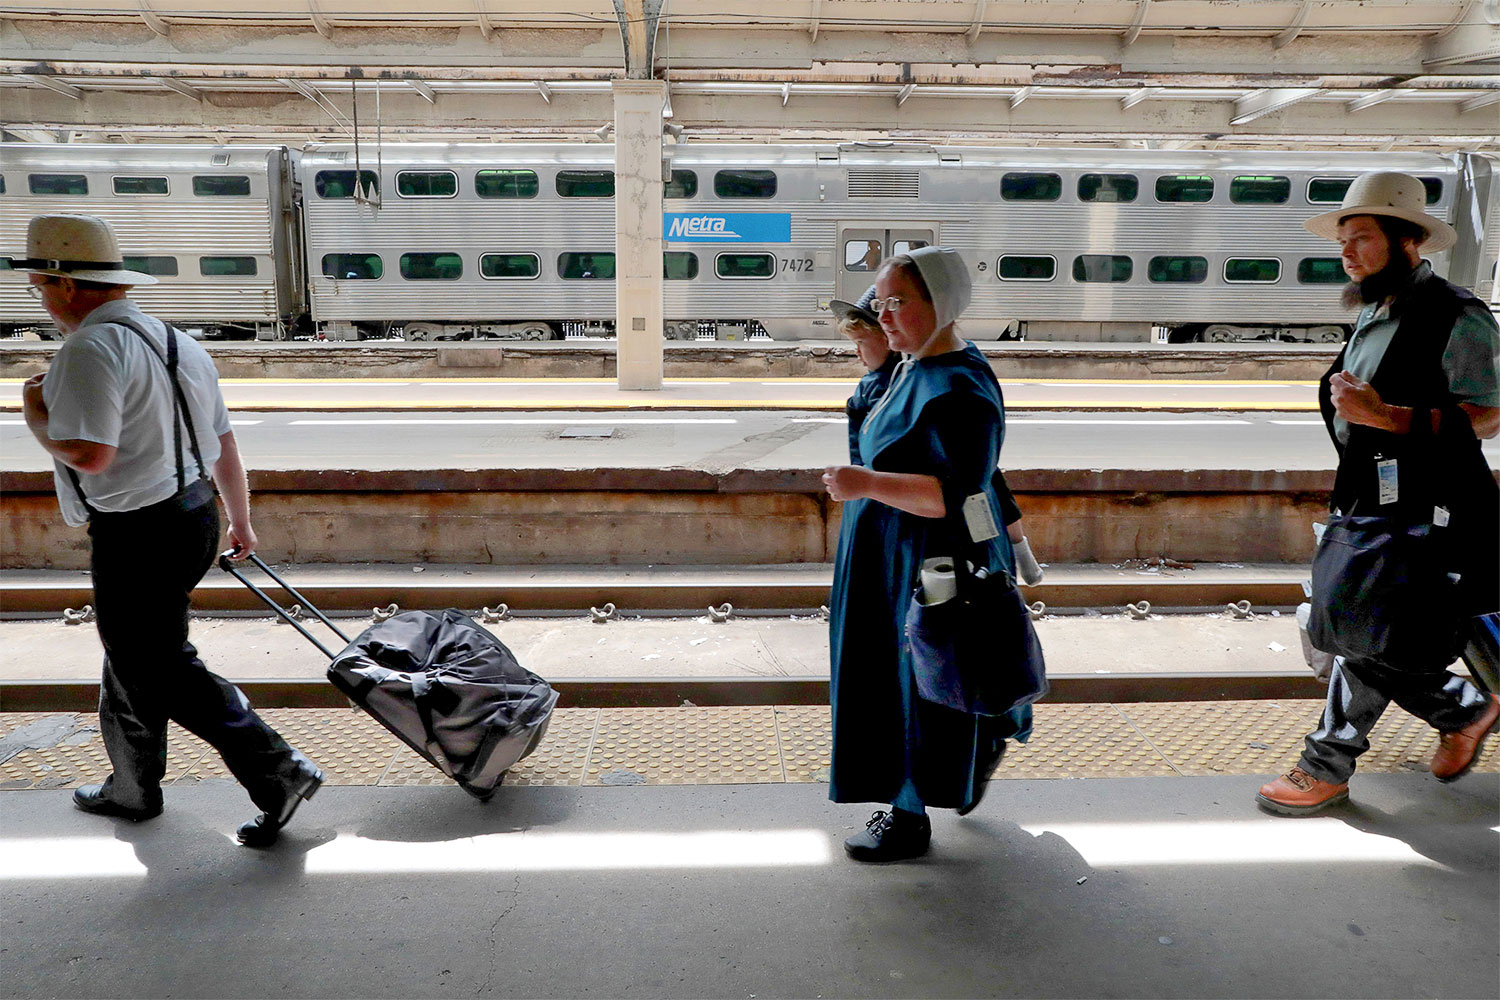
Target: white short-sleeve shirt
x=108 y=387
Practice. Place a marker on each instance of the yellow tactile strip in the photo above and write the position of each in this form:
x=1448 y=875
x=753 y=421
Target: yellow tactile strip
x=667 y=746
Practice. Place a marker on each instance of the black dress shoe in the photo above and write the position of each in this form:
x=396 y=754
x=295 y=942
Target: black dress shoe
x=91 y=799
x=891 y=836
x=263 y=830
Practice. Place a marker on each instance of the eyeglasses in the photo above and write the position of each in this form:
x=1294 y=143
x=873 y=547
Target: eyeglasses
x=879 y=306
x=35 y=291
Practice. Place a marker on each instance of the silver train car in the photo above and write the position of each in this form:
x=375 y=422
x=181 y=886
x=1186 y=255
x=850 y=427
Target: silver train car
x=218 y=226
x=459 y=241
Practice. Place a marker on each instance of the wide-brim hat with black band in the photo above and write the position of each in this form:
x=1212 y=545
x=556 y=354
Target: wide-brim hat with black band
x=81 y=247
x=858 y=310
x=1399 y=196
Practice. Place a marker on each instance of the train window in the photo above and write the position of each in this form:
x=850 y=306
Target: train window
x=432 y=266
x=863 y=255
x=426 y=184
x=1031 y=187
x=161 y=267
x=1185 y=187
x=497 y=183
x=1253 y=269
x=907 y=246
x=1434 y=186
x=353 y=266
x=1327 y=190
x=509 y=266
x=745 y=265
x=584 y=266
x=1108 y=187
x=1177 y=270
x=337 y=183
x=679 y=265
x=58 y=183
x=1015 y=267
x=1321 y=271
x=1102 y=267
x=227 y=186
x=223 y=267
x=684 y=184
x=1254 y=190
x=2 y=183
x=586 y=183
x=140 y=185
x=745 y=184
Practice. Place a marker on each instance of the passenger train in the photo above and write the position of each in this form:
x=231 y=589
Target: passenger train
x=461 y=241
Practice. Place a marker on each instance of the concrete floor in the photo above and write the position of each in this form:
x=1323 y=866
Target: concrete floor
x=1124 y=887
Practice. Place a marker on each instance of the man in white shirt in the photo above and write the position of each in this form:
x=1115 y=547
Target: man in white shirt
x=131 y=413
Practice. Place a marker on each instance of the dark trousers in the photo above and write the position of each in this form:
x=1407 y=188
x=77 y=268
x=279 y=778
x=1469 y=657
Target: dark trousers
x=145 y=564
x=1358 y=693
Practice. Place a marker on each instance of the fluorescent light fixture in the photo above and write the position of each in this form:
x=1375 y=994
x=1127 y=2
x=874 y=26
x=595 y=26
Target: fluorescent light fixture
x=1268 y=841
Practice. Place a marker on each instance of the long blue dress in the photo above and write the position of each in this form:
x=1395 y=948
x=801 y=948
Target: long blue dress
x=942 y=416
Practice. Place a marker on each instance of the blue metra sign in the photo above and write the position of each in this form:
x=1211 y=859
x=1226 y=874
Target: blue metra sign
x=727 y=227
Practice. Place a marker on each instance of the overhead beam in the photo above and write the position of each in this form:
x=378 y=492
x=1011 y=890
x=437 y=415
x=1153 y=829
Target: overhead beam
x=318 y=20
x=1475 y=103
x=427 y=92
x=904 y=93
x=1264 y=102
x=1136 y=96
x=1019 y=97
x=1142 y=8
x=815 y=20
x=57 y=86
x=1473 y=43
x=486 y=26
x=178 y=87
x=1289 y=34
x=1370 y=100
x=544 y=90
x=152 y=19
x=636 y=34
x=977 y=24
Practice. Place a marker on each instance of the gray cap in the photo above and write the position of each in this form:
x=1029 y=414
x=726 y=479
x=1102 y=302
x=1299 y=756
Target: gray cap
x=857 y=310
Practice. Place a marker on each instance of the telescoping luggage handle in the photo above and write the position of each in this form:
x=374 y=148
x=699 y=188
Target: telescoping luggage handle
x=229 y=567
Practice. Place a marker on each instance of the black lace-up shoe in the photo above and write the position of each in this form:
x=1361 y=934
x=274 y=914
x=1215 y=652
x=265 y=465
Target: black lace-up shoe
x=263 y=830
x=891 y=836
x=91 y=799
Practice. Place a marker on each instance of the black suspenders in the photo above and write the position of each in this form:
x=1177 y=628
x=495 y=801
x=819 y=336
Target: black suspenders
x=181 y=413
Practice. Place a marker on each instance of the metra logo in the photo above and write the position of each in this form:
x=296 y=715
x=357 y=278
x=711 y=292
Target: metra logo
x=701 y=225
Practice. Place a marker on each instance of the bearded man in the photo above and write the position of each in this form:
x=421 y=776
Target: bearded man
x=1406 y=403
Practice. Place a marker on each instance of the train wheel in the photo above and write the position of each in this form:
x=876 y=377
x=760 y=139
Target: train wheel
x=421 y=331
x=1218 y=333
x=536 y=331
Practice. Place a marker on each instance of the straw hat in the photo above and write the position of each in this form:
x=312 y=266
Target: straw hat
x=76 y=246
x=1400 y=196
x=857 y=310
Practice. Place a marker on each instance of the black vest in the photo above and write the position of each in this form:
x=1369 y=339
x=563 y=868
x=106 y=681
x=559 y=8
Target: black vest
x=1443 y=470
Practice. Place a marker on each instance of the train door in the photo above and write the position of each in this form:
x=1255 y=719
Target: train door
x=863 y=245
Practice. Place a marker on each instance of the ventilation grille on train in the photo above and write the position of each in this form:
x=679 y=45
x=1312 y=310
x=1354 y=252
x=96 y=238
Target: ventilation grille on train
x=883 y=183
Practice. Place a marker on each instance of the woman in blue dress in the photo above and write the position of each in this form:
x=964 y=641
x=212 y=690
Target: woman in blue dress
x=930 y=443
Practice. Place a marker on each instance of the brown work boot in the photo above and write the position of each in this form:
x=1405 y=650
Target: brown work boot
x=1457 y=751
x=1298 y=793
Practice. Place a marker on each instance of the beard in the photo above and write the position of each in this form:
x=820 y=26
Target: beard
x=1381 y=285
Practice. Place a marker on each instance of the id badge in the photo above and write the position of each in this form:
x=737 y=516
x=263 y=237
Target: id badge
x=979 y=518
x=1386 y=471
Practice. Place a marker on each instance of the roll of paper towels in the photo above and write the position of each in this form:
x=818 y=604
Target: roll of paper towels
x=938 y=584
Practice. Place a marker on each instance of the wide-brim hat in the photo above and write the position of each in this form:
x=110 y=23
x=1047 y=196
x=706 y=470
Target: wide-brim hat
x=1397 y=195
x=858 y=311
x=81 y=247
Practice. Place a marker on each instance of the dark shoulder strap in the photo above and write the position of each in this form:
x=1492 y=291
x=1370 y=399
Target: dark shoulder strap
x=182 y=414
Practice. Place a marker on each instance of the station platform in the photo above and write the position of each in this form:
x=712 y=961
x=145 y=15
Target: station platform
x=693 y=853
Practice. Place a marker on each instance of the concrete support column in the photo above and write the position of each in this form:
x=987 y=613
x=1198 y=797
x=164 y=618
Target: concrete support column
x=638 y=234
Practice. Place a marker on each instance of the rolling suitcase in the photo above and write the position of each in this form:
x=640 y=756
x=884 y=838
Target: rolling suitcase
x=445 y=686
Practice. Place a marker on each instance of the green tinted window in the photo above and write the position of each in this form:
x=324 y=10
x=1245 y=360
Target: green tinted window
x=427 y=184
x=1321 y=271
x=497 y=183
x=353 y=266
x=140 y=185
x=745 y=265
x=510 y=265
x=1185 y=187
x=160 y=267
x=1327 y=190
x=2 y=183
x=337 y=183
x=432 y=266
x=745 y=183
x=1031 y=187
x=1254 y=190
x=1018 y=268
x=1102 y=267
x=586 y=266
x=1177 y=270
x=1262 y=269
x=586 y=183
x=679 y=265
x=684 y=184
x=1108 y=187
x=236 y=186
x=219 y=267
x=1434 y=186
x=58 y=184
